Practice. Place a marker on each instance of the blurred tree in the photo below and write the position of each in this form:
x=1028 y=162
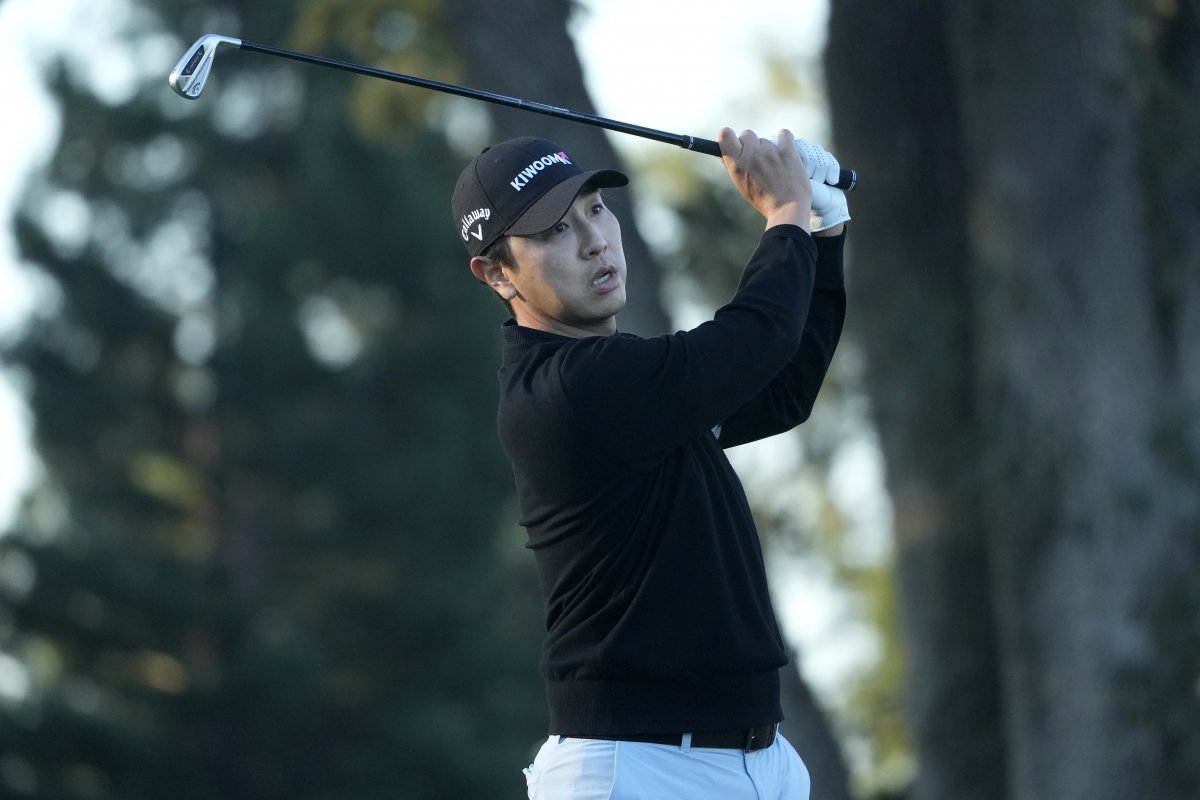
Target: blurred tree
x=1025 y=265
x=484 y=32
x=271 y=557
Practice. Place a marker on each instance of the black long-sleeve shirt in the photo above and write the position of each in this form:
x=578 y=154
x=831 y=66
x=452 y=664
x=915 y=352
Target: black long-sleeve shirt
x=658 y=616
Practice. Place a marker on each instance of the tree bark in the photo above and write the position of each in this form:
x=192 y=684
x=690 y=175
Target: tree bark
x=549 y=71
x=807 y=728
x=1074 y=379
x=895 y=117
x=1011 y=203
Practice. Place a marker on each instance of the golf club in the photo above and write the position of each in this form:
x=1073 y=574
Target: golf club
x=190 y=74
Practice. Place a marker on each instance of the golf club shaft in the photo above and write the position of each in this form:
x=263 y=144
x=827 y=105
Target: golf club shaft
x=847 y=180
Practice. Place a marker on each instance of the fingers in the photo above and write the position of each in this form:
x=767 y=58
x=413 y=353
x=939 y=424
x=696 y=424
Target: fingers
x=821 y=165
x=768 y=174
x=822 y=194
x=740 y=146
x=785 y=177
x=731 y=145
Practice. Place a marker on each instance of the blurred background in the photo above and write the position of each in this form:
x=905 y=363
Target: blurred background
x=258 y=535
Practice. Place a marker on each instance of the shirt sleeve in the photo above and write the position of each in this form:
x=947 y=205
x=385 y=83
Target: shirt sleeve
x=641 y=396
x=788 y=399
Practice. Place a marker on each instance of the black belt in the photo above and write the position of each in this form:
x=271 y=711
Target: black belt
x=745 y=739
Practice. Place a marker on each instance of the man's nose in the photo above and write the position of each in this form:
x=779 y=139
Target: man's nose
x=594 y=241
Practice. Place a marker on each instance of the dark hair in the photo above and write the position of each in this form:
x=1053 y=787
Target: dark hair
x=500 y=251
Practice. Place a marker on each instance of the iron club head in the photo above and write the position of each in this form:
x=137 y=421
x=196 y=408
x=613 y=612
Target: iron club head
x=189 y=75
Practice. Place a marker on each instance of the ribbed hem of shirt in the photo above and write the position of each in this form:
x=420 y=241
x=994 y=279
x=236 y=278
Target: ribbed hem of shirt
x=626 y=708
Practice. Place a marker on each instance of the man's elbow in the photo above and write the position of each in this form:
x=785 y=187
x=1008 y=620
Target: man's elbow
x=798 y=412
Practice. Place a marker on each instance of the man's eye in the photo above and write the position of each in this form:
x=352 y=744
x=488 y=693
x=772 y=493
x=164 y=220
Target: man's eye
x=560 y=227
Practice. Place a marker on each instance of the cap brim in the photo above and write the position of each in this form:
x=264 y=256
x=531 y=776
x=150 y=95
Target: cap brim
x=554 y=204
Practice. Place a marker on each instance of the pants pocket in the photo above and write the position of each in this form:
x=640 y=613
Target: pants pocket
x=531 y=780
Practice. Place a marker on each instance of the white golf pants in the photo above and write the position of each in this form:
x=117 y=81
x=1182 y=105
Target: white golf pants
x=592 y=769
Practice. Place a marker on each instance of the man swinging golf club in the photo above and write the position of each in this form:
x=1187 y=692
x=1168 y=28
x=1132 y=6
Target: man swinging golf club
x=662 y=652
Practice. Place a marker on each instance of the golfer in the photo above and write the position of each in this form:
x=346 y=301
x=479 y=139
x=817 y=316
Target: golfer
x=662 y=652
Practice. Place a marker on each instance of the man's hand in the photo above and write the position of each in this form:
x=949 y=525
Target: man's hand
x=829 y=209
x=772 y=177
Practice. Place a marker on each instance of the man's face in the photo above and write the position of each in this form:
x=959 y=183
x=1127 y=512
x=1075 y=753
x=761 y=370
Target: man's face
x=571 y=279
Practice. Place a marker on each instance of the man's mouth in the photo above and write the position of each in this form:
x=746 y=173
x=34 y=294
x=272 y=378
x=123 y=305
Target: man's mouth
x=604 y=277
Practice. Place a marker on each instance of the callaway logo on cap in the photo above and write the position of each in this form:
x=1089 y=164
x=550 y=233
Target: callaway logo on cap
x=519 y=187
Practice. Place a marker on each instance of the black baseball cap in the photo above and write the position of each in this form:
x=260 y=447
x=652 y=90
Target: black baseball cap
x=520 y=187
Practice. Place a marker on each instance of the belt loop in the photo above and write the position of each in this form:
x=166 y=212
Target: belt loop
x=686 y=746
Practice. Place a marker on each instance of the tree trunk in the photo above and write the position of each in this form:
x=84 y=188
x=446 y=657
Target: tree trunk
x=807 y=728
x=896 y=120
x=1049 y=268
x=549 y=71
x=1082 y=515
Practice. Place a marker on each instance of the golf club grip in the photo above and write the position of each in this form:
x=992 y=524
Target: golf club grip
x=847 y=178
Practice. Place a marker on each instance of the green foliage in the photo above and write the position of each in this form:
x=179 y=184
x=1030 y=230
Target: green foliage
x=267 y=561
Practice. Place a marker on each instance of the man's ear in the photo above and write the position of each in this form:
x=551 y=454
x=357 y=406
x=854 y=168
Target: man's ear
x=493 y=274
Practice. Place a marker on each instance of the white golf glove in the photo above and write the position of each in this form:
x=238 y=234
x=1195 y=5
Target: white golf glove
x=828 y=202
x=828 y=207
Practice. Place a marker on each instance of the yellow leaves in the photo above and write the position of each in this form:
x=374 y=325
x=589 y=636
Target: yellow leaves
x=789 y=81
x=181 y=486
x=379 y=35
x=387 y=112
x=159 y=671
x=166 y=478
